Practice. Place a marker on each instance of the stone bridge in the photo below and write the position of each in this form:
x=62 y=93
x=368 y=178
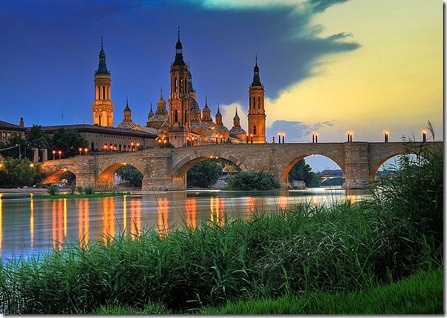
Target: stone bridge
x=166 y=168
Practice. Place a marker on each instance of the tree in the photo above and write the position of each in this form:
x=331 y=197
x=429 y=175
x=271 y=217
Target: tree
x=68 y=141
x=245 y=181
x=16 y=173
x=130 y=174
x=37 y=138
x=204 y=174
x=15 y=147
x=302 y=171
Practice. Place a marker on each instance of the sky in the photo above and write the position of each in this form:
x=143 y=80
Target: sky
x=327 y=66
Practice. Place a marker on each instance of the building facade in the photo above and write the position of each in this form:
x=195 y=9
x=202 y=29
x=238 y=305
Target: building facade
x=180 y=121
x=102 y=106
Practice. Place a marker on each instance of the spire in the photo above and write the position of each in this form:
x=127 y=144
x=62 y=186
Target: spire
x=127 y=111
x=102 y=67
x=151 y=112
x=218 y=116
x=178 y=51
x=256 y=79
x=236 y=120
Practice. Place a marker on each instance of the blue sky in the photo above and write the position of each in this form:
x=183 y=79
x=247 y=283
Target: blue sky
x=327 y=66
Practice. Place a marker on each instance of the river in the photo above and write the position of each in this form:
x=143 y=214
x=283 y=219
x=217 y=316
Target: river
x=30 y=225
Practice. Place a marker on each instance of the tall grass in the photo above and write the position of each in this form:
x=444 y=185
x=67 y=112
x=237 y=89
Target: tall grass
x=307 y=249
x=421 y=293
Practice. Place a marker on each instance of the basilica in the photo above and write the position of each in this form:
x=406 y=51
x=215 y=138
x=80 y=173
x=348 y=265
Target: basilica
x=180 y=121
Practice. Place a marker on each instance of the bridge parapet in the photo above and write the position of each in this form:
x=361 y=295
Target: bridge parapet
x=166 y=168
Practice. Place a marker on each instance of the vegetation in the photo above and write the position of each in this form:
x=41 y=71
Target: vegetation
x=310 y=251
x=302 y=171
x=421 y=293
x=204 y=174
x=130 y=174
x=246 y=181
x=15 y=173
x=66 y=140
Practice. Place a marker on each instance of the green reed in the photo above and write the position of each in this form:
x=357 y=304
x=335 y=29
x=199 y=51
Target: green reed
x=421 y=293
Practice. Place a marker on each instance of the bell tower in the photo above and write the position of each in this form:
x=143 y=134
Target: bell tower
x=256 y=111
x=178 y=101
x=102 y=106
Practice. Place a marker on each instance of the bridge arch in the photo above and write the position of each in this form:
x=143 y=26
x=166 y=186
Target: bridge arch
x=106 y=179
x=284 y=177
x=376 y=166
x=55 y=176
x=187 y=163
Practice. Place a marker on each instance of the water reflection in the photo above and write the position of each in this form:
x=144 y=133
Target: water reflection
x=1 y=220
x=83 y=222
x=191 y=215
x=217 y=211
x=163 y=213
x=30 y=225
x=31 y=221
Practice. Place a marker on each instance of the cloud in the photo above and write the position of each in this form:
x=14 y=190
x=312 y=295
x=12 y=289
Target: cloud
x=295 y=131
x=322 y=5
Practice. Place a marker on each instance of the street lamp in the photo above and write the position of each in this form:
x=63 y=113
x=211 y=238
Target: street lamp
x=350 y=133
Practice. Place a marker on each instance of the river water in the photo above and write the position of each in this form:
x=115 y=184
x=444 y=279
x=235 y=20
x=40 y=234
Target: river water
x=30 y=225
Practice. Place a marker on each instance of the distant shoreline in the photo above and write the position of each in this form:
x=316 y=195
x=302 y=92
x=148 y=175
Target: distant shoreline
x=23 y=190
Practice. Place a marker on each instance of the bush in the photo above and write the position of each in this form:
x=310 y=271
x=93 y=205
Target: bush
x=245 y=181
x=90 y=189
x=204 y=174
x=53 y=190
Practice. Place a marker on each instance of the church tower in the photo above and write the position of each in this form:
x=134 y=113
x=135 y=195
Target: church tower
x=102 y=106
x=256 y=112
x=178 y=101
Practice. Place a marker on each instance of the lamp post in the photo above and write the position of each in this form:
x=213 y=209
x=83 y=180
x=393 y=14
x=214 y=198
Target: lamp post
x=386 y=133
x=424 y=136
x=350 y=133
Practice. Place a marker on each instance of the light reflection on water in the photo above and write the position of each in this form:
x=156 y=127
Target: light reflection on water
x=29 y=226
